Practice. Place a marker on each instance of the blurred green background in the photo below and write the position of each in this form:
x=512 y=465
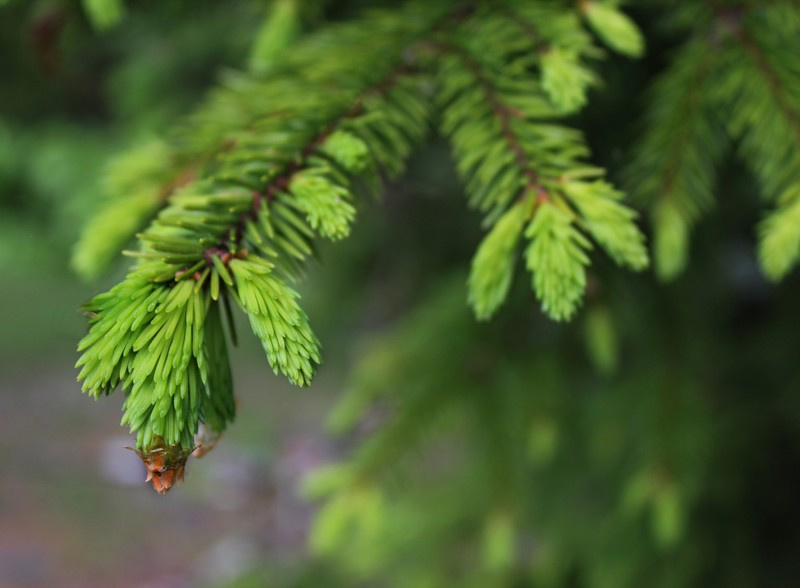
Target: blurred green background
x=74 y=509
x=703 y=400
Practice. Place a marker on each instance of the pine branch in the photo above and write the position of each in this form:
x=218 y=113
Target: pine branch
x=741 y=71
x=247 y=224
x=275 y=164
x=676 y=159
x=507 y=150
x=767 y=78
x=772 y=84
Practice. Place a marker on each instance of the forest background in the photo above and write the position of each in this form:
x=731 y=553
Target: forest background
x=683 y=392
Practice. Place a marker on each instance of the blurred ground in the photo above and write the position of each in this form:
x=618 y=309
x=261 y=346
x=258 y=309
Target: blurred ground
x=75 y=511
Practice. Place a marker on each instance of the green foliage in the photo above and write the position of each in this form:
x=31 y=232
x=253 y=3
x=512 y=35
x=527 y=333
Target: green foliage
x=269 y=163
x=557 y=258
x=602 y=345
x=676 y=161
x=276 y=319
x=765 y=118
x=493 y=265
x=735 y=80
x=509 y=445
x=280 y=29
x=565 y=80
x=609 y=221
x=780 y=240
x=165 y=349
x=507 y=148
x=616 y=29
x=247 y=223
x=324 y=202
x=347 y=150
x=498 y=542
x=135 y=186
x=511 y=452
x=104 y=14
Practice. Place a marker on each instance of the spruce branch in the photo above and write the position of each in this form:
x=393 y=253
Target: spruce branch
x=493 y=264
x=280 y=28
x=268 y=186
x=773 y=88
x=674 y=170
x=737 y=80
x=276 y=164
x=565 y=80
x=557 y=259
x=564 y=48
x=766 y=119
x=509 y=151
x=276 y=319
x=439 y=386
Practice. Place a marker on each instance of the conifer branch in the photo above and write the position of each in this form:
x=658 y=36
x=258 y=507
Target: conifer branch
x=767 y=79
x=504 y=114
x=243 y=227
x=563 y=47
x=275 y=164
x=508 y=151
x=771 y=78
x=675 y=165
x=737 y=80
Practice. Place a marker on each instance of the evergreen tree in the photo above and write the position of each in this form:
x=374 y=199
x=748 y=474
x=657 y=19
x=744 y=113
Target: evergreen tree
x=538 y=443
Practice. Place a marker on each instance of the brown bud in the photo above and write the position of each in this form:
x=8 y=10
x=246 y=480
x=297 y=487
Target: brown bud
x=165 y=463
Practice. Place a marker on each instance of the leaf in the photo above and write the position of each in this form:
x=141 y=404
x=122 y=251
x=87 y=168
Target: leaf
x=779 y=237
x=671 y=247
x=601 y=340
x=493 y=264
x=610 y=222
x=565 y=79
x=277 y=320
x=614 y=27
x=104 y=14
x=281 y=27
x=557 y=258
x=326 y=204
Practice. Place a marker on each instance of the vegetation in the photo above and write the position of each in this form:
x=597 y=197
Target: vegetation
x=585 y=424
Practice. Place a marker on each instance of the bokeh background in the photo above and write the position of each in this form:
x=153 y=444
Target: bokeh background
x=708 y=363
x=74 y=508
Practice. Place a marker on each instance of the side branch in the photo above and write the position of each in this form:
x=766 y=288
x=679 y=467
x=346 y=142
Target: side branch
x=763 y=65
x=271 y=192
x=505 y=114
